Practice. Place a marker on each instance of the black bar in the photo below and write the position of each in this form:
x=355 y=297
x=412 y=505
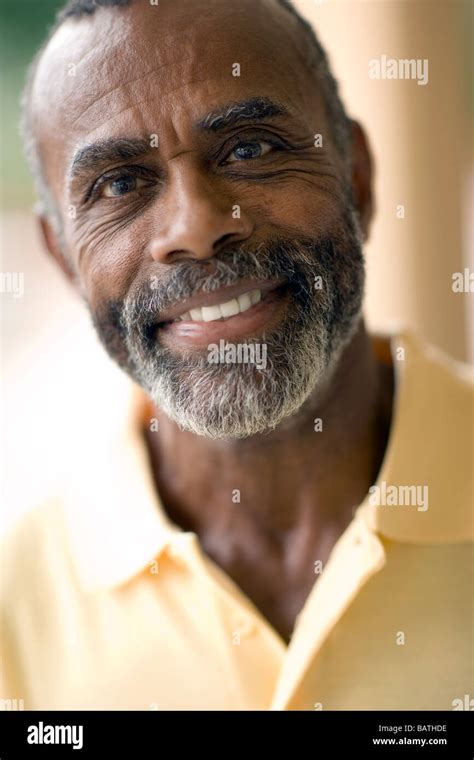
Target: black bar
x=313 y=734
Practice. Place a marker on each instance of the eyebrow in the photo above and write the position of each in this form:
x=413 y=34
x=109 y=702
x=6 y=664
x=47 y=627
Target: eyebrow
x=254 y=109
x=113 y=149
x=107 y=151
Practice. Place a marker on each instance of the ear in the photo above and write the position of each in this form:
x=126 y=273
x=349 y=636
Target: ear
x=51 y=242
x=362 y=174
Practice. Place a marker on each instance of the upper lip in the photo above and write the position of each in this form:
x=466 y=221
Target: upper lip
x=222 y=295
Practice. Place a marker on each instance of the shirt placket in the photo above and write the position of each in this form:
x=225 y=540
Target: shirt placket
x=233 y=626
x=358 y=555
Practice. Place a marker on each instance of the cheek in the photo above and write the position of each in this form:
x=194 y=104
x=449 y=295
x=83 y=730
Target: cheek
x=306 y=197
x=301 y=207
x=108 y=260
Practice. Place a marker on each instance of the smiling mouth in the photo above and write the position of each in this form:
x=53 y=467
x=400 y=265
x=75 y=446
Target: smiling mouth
x=224 y=310
x=250 y=312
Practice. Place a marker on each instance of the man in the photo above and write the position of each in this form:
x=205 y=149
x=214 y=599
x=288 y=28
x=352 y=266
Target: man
x=226 y=548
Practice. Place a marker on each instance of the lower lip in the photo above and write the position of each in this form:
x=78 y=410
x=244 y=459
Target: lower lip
x=263 y=317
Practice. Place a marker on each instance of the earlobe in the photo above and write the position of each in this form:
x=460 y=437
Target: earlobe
x=362 y=175
x=51 y=242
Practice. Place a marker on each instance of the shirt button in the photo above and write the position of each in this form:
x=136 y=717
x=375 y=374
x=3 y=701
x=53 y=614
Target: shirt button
x=358 y=536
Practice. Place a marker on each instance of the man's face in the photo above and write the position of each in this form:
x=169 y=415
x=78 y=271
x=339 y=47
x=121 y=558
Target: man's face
x=180 y=143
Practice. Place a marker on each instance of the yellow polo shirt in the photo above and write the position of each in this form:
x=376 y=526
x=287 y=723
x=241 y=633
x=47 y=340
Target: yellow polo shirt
x=106 y=604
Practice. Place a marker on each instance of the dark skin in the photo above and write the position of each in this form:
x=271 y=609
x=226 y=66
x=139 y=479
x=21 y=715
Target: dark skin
x=134 y=78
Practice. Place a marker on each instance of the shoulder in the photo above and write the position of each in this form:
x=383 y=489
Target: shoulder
x=430 y=446
x=30 y=549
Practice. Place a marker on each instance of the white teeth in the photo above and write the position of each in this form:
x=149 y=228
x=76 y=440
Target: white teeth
x=196 y=314
x=222 y=310
x=230 y=308
x=244 y=302
x=210 y=313
x=255 y=296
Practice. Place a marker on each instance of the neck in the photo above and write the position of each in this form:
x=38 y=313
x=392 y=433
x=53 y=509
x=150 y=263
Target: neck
x=295 y=475
x=268 y=507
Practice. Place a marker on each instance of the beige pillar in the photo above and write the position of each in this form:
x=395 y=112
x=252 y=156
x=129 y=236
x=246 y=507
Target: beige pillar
x=419 y=138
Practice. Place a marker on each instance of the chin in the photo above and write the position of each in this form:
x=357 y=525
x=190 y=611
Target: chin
x=237 y=402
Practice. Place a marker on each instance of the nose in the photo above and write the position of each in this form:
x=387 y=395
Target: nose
x=201 y=220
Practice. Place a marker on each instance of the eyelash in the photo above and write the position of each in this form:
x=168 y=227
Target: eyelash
x=113 y=174
x=249 y=138
x=144 y=173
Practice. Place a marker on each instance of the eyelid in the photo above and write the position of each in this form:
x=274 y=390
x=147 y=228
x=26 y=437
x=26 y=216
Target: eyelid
x=119 y=171
x=105 y=185
x=249 y=134
x=228 y=160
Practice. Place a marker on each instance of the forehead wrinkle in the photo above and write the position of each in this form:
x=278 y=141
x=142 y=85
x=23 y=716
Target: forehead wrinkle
x=137 y=103
x=122 y=84
x=117 y=56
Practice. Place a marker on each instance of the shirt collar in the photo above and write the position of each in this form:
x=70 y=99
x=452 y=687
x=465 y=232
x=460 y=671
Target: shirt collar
x=117 y=525
x=430 y=447
x=115 y=521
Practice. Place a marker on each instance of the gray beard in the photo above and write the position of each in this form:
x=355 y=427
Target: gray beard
x=241 y=400
x=238 y=400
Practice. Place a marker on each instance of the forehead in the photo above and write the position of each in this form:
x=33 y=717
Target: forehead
x=134 y=70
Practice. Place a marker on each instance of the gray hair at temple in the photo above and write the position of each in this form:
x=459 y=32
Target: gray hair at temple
x=317 y=60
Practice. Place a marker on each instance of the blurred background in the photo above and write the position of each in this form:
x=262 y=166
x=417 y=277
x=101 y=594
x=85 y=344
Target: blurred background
x=54 y=374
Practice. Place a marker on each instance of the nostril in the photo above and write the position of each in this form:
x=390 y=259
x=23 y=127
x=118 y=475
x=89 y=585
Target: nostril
x=180 y=254
x=224 y=239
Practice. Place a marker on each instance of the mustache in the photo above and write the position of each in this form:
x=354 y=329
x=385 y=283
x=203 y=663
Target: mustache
x=293 y=262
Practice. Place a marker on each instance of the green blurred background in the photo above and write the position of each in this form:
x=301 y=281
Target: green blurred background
x=23 y=27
